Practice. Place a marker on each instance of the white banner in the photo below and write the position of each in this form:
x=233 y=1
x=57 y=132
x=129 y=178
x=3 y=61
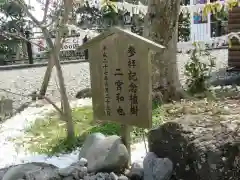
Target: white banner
x=70 y=43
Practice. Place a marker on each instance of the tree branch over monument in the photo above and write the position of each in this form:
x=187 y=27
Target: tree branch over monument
x=60 y=16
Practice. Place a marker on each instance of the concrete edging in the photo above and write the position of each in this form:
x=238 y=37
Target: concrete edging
x=24 y=66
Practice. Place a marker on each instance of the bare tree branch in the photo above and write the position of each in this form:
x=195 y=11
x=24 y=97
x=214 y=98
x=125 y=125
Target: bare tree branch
x=45 y=11
x=53 y=19
x=44 y=30
x=17 y=36
x=25 y=9
x=59 y=90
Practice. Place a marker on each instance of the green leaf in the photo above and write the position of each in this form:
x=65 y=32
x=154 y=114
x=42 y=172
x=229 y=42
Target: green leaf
x=2 y=2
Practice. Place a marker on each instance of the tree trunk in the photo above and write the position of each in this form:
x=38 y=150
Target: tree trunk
x=67 y=113
x=54 y=49
x=50 y=65
x=47 y=77
x=161 y=24
x=55 y=60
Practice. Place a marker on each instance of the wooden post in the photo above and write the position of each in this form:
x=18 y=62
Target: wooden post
x=34 y=96
x=85 y=39
x=29 y=48
x=121 y=76
x=126 y=138
x=47 y=77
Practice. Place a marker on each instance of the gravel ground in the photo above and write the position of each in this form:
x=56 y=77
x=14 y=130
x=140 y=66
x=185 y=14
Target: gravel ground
x=25 y=81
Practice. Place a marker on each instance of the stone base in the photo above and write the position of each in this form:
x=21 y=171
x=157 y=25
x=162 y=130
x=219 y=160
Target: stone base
x=200 y=148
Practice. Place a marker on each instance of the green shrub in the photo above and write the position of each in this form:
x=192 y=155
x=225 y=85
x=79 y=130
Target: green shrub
x=197 y=71
x=48 y=135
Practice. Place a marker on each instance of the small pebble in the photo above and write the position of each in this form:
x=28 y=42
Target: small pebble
x=113 y=176
x=82 y=162
x=122 y=177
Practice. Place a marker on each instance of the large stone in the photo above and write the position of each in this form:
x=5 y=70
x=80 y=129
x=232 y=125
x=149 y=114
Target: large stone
x=199 y=147
x=104 y=153
x=3 y=171
x=36 y=171
x=157 y=168
x=84 y=93
x=89 y=143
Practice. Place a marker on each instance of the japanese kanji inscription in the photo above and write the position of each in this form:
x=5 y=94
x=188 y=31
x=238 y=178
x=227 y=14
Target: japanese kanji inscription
x=121 y=77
